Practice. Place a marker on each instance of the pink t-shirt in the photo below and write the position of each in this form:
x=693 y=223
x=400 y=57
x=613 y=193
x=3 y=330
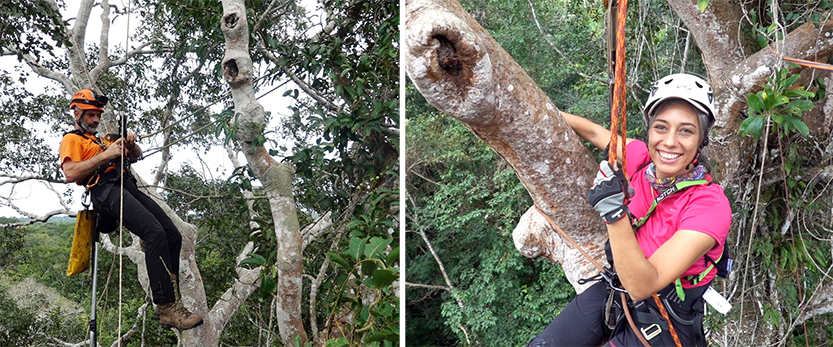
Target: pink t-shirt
x=702 y=208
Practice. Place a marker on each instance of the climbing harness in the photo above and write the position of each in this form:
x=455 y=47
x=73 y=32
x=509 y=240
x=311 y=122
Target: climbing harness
x=608 y=274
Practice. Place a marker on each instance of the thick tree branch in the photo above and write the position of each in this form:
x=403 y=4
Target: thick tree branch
x=314 y=230
x=247 y=281
x=805 y=42
x=277 y=178
x=133 y=252
x=75 y=53
x=44 y=72
x=465 y=74
x=104 y=43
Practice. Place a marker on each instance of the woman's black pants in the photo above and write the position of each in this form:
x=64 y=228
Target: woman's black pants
x=582 y=322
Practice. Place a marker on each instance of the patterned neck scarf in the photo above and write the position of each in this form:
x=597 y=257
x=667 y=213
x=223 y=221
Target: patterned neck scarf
x=661 y=184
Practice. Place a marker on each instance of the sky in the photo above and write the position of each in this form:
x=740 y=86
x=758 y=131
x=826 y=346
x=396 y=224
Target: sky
x=38 y=198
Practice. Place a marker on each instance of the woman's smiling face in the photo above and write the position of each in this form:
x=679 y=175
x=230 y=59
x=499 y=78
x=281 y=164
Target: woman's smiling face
x=673 y=138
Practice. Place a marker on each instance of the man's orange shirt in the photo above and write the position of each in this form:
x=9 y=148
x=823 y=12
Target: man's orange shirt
x=78 y=149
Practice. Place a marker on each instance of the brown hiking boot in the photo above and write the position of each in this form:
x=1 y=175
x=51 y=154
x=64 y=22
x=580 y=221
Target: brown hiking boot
x=173 y=315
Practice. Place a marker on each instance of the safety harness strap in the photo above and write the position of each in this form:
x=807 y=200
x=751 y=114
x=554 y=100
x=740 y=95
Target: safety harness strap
x=694 y=279
x=666 y=193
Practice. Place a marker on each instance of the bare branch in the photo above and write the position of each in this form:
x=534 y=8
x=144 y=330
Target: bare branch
x=247 y=282
x=136 y=51
x=104 y=42
x=47 y=73
x=303 y=85
x=124 y=338
x=75 y=53
x=70 y=344
x=321 y=225
x=389 y=130
x=13 y=179
x=429 y=286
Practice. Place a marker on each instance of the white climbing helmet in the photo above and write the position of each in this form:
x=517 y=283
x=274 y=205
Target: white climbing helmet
x=682 y=86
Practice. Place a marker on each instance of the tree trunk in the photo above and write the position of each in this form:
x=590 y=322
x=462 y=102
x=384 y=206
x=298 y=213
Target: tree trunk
x=276 y=178
x=463 y=72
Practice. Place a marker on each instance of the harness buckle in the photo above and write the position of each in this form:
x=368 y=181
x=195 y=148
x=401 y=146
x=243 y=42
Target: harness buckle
x=651 y=331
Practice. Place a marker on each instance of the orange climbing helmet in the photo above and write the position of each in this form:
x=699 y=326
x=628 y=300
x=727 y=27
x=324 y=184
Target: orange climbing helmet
x=86 y=99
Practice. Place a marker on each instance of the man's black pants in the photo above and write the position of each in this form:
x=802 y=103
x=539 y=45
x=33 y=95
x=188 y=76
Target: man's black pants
x=143 y=217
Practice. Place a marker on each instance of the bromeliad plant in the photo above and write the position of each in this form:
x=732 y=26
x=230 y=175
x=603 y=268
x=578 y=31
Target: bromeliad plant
x=781 y=101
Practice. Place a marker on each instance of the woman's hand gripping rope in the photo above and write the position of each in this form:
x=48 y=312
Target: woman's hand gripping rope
x=608 y=194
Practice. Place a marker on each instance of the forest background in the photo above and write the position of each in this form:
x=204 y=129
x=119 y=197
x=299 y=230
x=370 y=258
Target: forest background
x=298 y=246
x=468 y=285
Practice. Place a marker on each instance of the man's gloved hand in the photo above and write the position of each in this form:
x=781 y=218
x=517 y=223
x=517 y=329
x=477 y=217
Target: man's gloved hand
x=607 y=195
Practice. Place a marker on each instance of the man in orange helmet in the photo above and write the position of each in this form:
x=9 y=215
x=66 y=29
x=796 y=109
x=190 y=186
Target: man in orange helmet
x=87 y=161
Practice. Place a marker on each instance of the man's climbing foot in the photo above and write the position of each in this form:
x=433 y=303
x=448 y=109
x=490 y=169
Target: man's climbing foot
x=173 y=315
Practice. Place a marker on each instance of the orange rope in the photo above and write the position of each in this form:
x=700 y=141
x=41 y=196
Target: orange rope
x=805 y=63
x=670 y=326
x=619 y=129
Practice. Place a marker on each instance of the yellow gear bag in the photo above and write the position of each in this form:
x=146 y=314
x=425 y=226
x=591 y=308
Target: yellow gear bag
x=79 y=257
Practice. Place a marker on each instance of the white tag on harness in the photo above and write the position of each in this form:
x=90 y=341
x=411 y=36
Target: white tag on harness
x=717 y=301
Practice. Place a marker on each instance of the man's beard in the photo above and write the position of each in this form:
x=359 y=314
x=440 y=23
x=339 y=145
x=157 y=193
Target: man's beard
x=89 y=127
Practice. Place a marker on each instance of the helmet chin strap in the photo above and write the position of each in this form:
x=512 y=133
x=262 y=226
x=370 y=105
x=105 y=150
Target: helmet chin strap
x=695 y=160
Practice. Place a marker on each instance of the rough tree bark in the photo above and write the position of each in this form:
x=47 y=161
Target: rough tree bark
x=464 y=73
x=275 y=177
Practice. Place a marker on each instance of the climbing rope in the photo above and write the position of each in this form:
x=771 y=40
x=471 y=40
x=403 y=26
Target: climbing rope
x=121 y=187
x=806 y=63
x=602 y=270
x=616 y=16
x=618 y=109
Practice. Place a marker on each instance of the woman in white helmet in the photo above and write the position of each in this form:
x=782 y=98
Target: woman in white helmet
x=674 y=252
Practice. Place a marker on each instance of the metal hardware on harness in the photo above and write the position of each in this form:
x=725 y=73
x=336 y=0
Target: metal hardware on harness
x=610 y=317
x=650 y=334
x=612 y=280
x=609 y=276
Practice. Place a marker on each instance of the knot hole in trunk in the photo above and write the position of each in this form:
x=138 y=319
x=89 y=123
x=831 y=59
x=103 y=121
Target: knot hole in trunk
x=447 y=56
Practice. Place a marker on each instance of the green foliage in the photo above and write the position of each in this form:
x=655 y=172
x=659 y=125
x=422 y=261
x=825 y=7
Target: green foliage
x=795 y=261
x=702 y=4
x=12 y=249
x=367 y=261
x=30 y=25
x=15 y=323
x=781 y=101
x=467 y=200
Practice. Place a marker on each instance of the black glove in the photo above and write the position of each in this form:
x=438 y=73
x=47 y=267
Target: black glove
x=608 y=193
